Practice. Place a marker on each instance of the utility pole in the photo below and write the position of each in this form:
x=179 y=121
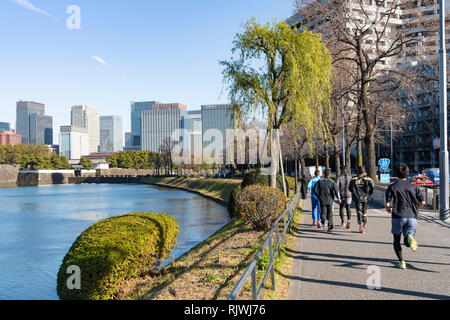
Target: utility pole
x=392 y=150
x=443 y=159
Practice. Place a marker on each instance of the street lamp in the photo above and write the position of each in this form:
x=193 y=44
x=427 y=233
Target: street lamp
x=443 y=158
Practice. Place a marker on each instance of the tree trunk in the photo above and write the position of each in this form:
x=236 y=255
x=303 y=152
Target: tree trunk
x=337 y=156
x=303 y=164
x=371 y=160
x=327 y=155
x=348 y=158
x=281 y=163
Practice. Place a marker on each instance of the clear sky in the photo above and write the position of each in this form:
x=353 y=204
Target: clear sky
x=133 y=50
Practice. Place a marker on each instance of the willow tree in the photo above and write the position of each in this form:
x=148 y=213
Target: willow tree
x=280 y=73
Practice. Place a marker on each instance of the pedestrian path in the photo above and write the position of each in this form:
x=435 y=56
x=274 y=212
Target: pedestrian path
x=335 y=266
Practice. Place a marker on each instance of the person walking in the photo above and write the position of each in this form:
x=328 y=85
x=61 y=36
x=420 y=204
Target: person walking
x=361 y=187
x=303 y=185
x=343 y=182
x=326 y=191
x=314 y=201
x=403 y=200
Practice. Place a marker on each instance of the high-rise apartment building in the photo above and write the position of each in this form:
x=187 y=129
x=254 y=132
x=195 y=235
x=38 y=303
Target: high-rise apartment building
x=89 y=118
x=217 y=117
x=41 y=129
x=73 y=142
x=136 y=121
x=111 y=134
x=160 y=123
x=32 y=124
x=5 y=126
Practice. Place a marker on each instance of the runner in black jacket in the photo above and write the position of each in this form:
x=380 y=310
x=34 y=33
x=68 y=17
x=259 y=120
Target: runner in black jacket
x=326 y=191
x=362 y=188
x=403 y=200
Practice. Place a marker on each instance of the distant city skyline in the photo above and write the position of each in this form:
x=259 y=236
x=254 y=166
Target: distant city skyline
x=133 y=51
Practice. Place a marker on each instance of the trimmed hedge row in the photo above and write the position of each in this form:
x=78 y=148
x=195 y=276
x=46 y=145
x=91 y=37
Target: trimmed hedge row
x=252 y=178
x=260 y=205
x=115 y=250
x=255 y=177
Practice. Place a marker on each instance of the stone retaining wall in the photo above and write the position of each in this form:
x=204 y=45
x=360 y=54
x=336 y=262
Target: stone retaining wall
x=8 y=174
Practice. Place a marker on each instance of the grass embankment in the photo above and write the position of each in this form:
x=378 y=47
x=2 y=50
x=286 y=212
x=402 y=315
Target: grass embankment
x=216 y=189
x=211 y=269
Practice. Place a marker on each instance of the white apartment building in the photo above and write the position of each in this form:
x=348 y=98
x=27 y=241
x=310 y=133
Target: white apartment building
x=411 y=20
x=160 y=123
x=73 y=142
x=88 y=117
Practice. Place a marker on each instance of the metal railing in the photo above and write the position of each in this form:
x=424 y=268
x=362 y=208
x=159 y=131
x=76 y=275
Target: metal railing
x=287 y=218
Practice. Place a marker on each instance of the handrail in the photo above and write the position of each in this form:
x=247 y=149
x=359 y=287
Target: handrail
x=287 y=217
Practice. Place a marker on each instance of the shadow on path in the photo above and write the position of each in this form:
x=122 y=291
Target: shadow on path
x=359 y=286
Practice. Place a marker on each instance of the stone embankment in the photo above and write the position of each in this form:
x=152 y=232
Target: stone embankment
x=8 y=174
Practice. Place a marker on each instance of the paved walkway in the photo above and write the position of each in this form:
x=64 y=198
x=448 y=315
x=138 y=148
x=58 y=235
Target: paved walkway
x=329 y=267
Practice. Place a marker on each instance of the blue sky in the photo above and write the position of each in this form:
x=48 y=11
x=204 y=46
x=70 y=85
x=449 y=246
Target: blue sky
x=134 y=50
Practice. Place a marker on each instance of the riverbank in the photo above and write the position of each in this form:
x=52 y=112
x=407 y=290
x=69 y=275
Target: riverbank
x=218 y=190
x=210 y=270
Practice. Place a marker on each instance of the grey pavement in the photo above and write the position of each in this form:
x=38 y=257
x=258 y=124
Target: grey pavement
x=335 y=266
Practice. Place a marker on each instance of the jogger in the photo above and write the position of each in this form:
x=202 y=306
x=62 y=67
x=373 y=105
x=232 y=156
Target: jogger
x=362 y=188
x=326 y=191
x=343 y=182
x=314 y=201
x=403 y=200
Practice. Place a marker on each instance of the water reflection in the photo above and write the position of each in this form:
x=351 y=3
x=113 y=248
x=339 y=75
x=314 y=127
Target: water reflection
x=39 y=224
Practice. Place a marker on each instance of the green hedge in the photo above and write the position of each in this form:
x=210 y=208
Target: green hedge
x=115 y=250
x=255 y=177
x=233 y=211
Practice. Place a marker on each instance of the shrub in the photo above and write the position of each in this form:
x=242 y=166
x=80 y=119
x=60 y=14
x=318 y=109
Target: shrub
x=232 y=207
x=255 y=177
x=115 y=250
x=261 y=205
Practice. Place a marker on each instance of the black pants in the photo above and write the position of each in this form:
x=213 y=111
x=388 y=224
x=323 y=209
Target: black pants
x=398 y=246
x=326 y=213
x=361 y=211
x=345 y=206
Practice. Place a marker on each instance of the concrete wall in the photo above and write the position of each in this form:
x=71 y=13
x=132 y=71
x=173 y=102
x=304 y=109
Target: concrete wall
x=8 y=174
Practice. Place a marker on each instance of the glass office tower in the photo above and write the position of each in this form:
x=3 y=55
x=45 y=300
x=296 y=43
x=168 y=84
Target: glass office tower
x=24 y=110
x=111 y=134
x=136 y=120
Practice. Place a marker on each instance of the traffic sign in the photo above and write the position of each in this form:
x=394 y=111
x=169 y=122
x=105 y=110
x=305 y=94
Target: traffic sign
x=384 y=163
x=385 y=178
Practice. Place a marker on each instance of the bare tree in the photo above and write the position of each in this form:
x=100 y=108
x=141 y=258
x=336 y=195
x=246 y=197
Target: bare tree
x=369 y=39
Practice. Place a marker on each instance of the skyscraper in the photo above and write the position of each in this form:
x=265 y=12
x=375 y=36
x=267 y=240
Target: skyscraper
x=41 y=129
x=111 y=134
x=24 y=110
x=88 y=117
x=196 y=129
x=159 y=123
x=73 y=142
x=128 y=140
x=218 y=117
x=136 y=120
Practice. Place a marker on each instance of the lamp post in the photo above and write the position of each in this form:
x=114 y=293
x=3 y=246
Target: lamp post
x=443 y=158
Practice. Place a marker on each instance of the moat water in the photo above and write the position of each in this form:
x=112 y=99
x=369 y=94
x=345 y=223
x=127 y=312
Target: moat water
x=39 y=224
